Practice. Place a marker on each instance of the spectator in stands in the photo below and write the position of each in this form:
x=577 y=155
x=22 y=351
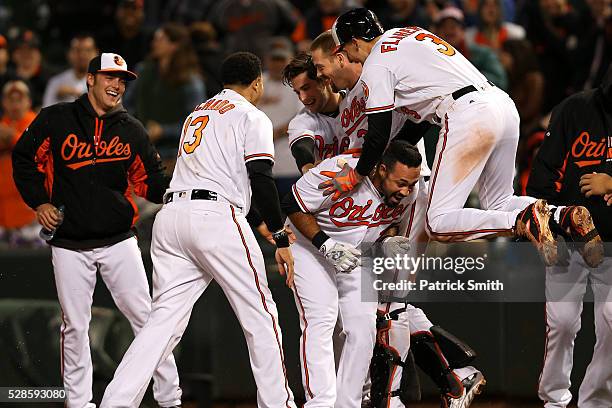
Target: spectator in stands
x=168 y=89
x=70 y=84
x=317 y=20
x=594 y=52
x=403 y=13
x=450 y=25
x=210 y=55
x=5 y=72
x=29 y=64
x=492 y=31
x=525 y=82
x=128 y=36
x=280 y=105
x=553 y=27
x=18 y=223
x=248 y=25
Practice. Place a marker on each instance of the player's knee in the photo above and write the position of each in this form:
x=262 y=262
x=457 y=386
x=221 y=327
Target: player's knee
x=362 y=332
x=564 y=325
x=434 y=227
x=607 y=314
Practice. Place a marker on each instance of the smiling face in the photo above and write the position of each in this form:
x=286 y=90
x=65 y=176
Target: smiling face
x=341 y=73
x=397 y=182
x=105 y=91
x=313 y=94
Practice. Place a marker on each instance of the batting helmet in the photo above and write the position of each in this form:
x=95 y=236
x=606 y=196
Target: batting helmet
x=356 y=23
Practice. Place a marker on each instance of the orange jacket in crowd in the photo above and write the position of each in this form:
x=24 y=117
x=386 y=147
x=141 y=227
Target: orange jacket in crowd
x=14 y=213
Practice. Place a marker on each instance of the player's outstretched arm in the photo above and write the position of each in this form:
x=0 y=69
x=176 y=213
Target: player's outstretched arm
x=265 y=197
x=343 y=257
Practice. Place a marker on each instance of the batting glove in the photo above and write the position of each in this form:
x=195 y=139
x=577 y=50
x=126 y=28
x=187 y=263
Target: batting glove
x=394 y=246
x=343 y=257
x=341 y=182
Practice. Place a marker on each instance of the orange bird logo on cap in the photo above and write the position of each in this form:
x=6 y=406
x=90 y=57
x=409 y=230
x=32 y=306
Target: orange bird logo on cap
x=118 y=60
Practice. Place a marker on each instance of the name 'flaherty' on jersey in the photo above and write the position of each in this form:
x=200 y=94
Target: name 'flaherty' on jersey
x=414 y=69
x=361 y=216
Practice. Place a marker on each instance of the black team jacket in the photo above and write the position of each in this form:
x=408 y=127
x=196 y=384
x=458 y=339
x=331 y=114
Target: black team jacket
x=70 y=156
x=578 y=141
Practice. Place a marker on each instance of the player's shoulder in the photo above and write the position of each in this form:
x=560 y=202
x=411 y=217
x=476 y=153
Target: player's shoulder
x=255 y=117
x=303 y=117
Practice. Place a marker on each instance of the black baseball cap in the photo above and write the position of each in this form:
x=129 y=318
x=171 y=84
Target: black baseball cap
x=110 y=62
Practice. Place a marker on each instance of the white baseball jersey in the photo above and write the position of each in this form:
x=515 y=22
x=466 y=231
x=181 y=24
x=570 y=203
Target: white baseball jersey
x=354 y=124
x=219 y=137
x=321 y=128
x=353 y=119
x=414 y=70
x=359 y=217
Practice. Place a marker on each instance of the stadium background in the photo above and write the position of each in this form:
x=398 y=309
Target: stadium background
x=539 y=51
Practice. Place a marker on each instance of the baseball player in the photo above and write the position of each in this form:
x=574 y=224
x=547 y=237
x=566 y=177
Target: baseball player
x=413 y=69
x=225 y=158
x=328 y=276
x=87 y=155
x=578 y=143
x=299 y=74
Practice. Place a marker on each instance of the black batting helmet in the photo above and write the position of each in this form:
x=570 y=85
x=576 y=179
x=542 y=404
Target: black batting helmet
x=356 y=23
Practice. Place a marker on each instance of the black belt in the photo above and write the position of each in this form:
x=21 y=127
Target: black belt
x=195 y=195
x=466 y=90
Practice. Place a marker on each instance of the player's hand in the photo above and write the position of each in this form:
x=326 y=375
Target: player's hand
x=395 y=246
x=595 y=184
x=48 y=216
x=608 y=199
x=284 y=261
x=265 y=232
x=341 y=182
x=343 y=257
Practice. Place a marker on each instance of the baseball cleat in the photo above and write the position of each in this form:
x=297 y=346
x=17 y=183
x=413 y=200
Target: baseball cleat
x=472 y=386
x=532 y=224
x=578 y=223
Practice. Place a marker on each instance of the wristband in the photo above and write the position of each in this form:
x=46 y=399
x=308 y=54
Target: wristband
x=319 y=239
x=281 y=238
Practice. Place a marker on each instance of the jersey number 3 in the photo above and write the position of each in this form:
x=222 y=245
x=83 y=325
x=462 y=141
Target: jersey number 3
x=199 y=123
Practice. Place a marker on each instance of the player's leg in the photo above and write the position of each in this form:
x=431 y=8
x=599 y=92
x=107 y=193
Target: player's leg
x=237 y=264
x=495 y=186
x=475 y=127
x=470 y=131
x=596 y=390
x=316 y=299
x=399 y=339
x=75 y=279
x=565 y=288
x=123 y=272
x=358 y=320
x=178 y=282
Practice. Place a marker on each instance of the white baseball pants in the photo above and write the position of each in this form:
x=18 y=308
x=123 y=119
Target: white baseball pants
x=565 y=289
x=324 y=297
x=194 y=242
x=476 y=148
x=122 y=270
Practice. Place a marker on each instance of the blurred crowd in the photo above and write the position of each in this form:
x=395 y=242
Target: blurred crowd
x=539 y=51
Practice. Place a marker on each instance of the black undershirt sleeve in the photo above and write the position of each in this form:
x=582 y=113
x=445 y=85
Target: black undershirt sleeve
x=375 y=142
x=289 y=205
x=303 y=152
x=413 y=132
x=253 y=217
x=264 y=193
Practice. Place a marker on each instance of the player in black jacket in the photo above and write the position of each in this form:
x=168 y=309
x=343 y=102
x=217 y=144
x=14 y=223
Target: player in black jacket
x=88 y=156
x=577 y=144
